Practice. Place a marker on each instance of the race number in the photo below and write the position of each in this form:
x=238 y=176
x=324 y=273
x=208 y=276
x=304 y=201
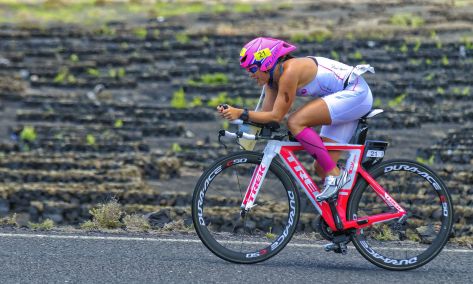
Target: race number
x=262 y=54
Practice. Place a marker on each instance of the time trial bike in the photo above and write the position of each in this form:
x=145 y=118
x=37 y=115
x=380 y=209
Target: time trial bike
x=246 y=206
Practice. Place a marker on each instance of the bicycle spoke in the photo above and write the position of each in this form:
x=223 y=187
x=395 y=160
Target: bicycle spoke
x=425 y=230
x=251 y=232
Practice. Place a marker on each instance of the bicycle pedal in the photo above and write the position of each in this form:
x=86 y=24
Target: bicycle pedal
x=337 y=248
x=330 y=247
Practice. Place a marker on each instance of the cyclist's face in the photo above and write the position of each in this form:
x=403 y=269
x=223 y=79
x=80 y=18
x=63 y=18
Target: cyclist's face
x=261 y=77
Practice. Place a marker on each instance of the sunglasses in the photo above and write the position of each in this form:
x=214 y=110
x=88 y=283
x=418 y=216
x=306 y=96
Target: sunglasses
x=252 y=69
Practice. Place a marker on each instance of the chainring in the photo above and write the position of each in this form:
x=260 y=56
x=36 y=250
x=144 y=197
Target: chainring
x=324 y=229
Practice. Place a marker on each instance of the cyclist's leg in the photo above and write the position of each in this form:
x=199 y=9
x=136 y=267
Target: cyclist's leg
x=335 y=155
x=313 y=113
x=345 y=108
x=340 y=133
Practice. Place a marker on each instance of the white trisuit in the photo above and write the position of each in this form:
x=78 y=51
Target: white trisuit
x=345 y=92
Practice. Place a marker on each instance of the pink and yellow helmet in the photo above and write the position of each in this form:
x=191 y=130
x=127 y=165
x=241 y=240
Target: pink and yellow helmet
x=264 y=52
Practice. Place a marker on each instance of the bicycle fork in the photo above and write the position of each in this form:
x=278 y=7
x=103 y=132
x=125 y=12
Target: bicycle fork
x=256 y=180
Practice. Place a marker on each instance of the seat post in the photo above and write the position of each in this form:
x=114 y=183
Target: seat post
x=359 y=137
x=361 y=132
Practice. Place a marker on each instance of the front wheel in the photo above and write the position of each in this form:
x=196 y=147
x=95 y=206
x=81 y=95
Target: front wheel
x=413 y=242
x=260 y=233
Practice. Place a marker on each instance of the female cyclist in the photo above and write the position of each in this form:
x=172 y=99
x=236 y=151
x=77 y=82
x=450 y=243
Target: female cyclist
x=341 y=97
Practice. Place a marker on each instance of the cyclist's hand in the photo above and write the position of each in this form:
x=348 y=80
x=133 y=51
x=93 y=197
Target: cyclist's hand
x=229 y=112
x=221 y=107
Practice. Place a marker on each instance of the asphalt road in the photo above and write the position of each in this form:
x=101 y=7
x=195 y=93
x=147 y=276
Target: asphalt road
x=38 y=257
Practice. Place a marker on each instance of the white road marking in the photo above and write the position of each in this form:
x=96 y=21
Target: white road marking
x=170 y=240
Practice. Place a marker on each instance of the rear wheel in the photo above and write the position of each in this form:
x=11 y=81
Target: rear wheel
x=413 y=242
x=260 y=233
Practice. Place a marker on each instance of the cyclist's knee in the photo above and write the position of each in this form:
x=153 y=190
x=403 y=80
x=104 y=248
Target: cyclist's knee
x=294 y=125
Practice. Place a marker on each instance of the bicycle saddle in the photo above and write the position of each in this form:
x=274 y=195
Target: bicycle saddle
x=372 y=113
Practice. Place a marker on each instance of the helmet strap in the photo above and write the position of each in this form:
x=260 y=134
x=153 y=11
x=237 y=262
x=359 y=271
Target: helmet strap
x=271 y=74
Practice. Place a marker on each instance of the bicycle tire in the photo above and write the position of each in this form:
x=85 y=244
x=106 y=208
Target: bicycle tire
x=266 y=228
x=409 y=245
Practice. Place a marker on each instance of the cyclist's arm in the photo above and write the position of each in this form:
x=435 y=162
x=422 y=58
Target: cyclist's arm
x=269 y=98
x=282 y=101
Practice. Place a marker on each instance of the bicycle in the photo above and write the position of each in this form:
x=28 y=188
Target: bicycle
x=246 y=206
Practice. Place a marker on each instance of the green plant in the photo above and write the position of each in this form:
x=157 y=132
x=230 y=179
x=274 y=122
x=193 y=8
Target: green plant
x=121 y=72
x=466 y=241
x=413 y=236
x=179 y=99
x=456 y=91
x=429 y=77
x=225 y=124
x=218 y=8
x=74 y=57
x=415 y=62
x=210 y=79
x=440 y=91
x=318 y=36
x=466 y=91
x=175 y=148
x=177 y=226
x=124 y=45
x=377 y=103
x=28 y=134
x=47 y=224
x=61 y=76
x=404 y=48
x=406 y=20
x=89 y=226
x=467 y=42
x=334 y=55
x=384 y=233
x=136 y=222
x=445 y=60
x=182 y=38
x=196 y=102
x=118 y=123
x=71 y=78
x=93 y=72
x=242 y=8
x=9 y=220
x=64 y=76
x=389 y=48
x=270 y=235
x=285 y=6
x=429 y=161
x=117 y=73
x=357 y=55
x=222 y=61
x=428 y=61
x=417 y=45
x=397 y=100
x=219 y=99
x=214 y=79
x=238 y=101
x=90 y=139
x=140 y=33
x=106 y=216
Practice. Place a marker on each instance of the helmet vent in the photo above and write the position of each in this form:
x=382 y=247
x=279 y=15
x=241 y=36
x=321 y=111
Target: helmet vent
x=243 y=59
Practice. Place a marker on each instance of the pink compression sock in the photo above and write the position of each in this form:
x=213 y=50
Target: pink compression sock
x=311 y=141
